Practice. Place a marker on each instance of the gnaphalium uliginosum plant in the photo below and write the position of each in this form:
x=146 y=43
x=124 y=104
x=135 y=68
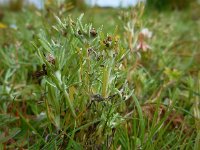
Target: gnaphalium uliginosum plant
x=87 y=64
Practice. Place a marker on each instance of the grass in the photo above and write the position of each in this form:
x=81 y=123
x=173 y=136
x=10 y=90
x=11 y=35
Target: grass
x=65 y=85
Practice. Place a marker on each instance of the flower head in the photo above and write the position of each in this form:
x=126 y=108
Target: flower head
x=146 y=33
x=142 y=45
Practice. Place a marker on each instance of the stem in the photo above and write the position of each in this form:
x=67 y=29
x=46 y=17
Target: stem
x=66 y=95
x=105 y=82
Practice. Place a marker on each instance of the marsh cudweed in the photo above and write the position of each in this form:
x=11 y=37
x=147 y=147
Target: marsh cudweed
x=51 y=59
x=93 y=32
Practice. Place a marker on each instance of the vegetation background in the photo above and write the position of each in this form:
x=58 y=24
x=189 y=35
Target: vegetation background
x=123 y=78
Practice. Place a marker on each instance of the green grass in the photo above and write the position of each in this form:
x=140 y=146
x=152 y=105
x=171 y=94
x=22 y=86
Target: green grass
x=97 y=91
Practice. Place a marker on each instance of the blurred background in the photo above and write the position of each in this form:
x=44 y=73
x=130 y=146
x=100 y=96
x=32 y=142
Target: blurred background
x=158 y=4
x=96 y=11
x=103 y=3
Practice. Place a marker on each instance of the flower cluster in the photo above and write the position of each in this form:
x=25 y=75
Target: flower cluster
x=143 y=36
